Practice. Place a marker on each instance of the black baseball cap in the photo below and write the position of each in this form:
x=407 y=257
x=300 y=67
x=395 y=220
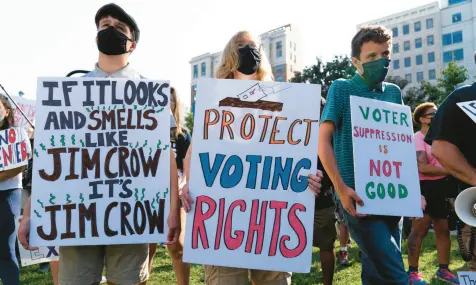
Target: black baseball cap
x=117 y=12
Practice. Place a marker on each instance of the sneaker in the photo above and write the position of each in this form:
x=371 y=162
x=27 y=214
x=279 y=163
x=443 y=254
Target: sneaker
x=448 y=276
x=343 y=258
x=415 y=278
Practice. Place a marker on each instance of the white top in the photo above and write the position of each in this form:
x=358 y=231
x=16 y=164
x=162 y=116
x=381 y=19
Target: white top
x=12 y=183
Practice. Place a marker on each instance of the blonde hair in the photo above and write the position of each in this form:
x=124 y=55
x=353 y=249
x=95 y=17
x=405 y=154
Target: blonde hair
x=230 y=61
x=177 y=112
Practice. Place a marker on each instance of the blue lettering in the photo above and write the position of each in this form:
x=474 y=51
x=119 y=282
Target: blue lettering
x=253 y=160
x=281 y=173
x=266 y=172
x=300 y=184
x=210 y=173
x=228 y=180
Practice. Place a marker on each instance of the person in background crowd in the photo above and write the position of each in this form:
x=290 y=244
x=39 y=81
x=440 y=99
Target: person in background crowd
x=452 y=135
x=434 y=184
x=10 y=205
x=180 y=141
x=378 y=237
x=243 y=59
x=325 y=232
x=117 y=37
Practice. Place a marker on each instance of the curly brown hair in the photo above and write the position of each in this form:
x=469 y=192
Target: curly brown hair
x=421 y=110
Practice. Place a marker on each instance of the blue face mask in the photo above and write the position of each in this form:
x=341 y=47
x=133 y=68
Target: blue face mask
x=376 y=71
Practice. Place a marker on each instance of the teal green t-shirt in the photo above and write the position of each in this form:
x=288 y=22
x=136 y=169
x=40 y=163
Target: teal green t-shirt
x=337 y=110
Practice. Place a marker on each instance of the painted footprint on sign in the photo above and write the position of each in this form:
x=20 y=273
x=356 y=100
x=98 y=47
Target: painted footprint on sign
x=251 y=97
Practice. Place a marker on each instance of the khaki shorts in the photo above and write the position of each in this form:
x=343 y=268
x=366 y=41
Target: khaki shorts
x=220 y=275
x=325 y=232
x=126 y=264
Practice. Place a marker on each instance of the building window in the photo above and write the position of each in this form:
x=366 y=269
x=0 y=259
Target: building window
x=395 y=32
x=456 y=17
x=291 y=67
x=294 y=58
x=279 y=49
x=454 y=2
x=408 y=62
x=279 y=78
x=294 y=46
x=458 y=54
x=430 y=40
x=419 y=59
x=290 y=56
x=395 y=48
x=431 y=74
x=419 y=76
x=431 y=57
x=417 y=26
x=453 y=55
x=204 y=69
x=418 y=43
x=195 y=71
x=279 y=68
x=452 y=38
x=406 y=46
x=406 y=29
x=290 y=44
x=396 y=64
x=429 y=23
x=458 y=37
x=408 y=78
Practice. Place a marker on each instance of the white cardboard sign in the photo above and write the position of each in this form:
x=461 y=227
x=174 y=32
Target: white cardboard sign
x=102 y=162
x=469 y=108
x=15 y=148
x=250 y=162
x=467 y=278
x=385 y=166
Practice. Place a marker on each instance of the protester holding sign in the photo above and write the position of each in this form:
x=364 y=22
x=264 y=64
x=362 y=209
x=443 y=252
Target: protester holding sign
x=117 y=37
x=435 y=183
x=10 y=191
x=242 y=59
x=378 y=237
x=452 y=135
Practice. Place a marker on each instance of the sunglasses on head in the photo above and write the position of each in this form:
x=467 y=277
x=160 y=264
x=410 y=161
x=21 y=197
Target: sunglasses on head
x=432 y=113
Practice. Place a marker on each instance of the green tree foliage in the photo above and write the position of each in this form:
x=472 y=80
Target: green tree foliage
x=189 y=122
x=325 y=73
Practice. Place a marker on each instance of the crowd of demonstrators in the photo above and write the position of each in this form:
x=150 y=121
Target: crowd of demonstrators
x=447 y=130
x=435 y=184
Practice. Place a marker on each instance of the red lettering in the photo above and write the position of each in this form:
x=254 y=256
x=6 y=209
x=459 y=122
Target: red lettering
x=356 y=129
x=24 y=152
x=199 y=218
x=373 y=167
x=12 y=136
x=387 y=168
x=300 y=231
x=221 y=210
x=233 y=243
x=277 y=206
x=397 y=165
x=257 y=227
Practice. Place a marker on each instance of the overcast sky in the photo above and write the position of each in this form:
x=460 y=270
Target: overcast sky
x=54 y=37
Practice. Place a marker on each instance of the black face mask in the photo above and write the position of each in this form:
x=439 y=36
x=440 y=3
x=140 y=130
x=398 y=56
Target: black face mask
x=112 y=42
x=250 y=59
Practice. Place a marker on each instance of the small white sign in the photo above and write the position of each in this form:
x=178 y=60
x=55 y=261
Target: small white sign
x=467 y=278
x=469 y=107
x=386 y=171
